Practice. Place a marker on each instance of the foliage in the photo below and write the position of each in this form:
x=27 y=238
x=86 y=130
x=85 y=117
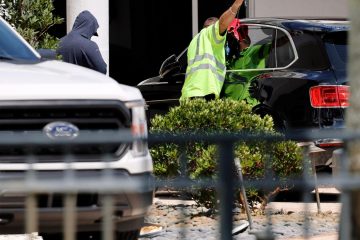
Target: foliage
x=221 y=116
x=32 y=19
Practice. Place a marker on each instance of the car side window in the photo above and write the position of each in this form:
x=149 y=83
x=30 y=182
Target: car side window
x=259 y=47
x=282 y=50
x=250 y=50
x=282 y=53
x=312 y=55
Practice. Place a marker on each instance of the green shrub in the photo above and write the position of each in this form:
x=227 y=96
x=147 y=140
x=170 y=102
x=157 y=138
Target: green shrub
x=221 y=116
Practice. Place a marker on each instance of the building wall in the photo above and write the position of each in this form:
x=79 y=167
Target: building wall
x=296 y=8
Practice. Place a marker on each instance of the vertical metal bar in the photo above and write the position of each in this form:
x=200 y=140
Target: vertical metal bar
x=70 y=216
x=317 y=195
x=226 y=189
x=195 y=17
x=107 y=225
x=269 y=174
x=345 y=217
x=183 y=177
x=108 y=202
x=31 y=214
x=345 y=221
x=306 y=190
x=69 y=219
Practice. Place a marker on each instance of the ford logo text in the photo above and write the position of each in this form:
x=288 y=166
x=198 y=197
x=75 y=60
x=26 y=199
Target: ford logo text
x=61 y=130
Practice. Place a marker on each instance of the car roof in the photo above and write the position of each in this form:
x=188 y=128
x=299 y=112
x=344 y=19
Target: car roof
x=313 y=24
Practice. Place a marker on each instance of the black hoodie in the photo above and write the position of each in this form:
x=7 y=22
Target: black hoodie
x=77 y=48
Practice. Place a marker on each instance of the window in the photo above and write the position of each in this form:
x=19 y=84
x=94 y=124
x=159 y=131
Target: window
x=12 y=47
x=312 y=55
x=336 y=44
x=259 y=47
x=251 y=51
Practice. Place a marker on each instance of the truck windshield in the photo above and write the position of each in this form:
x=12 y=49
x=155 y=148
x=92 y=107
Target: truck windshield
x=11 y=47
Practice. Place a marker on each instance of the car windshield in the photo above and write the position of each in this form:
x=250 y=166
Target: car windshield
x=336 y=46
x=11 y=47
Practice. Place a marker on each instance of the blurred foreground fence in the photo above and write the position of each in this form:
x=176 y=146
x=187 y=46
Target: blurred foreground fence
x=107 y=185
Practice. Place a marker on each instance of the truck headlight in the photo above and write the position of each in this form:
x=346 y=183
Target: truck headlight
x=139 y=128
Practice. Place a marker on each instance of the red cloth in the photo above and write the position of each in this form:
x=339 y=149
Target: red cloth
x=240 y=32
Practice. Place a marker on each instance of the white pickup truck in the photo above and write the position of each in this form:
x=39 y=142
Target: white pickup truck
x=61 y=101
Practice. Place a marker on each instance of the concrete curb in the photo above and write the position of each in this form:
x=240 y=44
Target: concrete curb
x=294 y=207
x=304 y=207
x=331 y=236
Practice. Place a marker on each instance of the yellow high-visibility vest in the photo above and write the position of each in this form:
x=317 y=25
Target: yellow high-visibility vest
x=206 y=68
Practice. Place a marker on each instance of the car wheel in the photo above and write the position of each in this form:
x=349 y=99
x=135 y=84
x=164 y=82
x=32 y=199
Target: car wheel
x=129 y=235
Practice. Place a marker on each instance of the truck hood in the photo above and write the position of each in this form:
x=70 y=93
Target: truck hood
x=56 y=80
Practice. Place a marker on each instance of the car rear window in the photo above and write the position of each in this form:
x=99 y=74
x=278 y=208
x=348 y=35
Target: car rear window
x=336 y=47
x=312 y=55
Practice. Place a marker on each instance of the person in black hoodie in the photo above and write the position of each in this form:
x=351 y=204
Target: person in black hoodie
x=77 y=48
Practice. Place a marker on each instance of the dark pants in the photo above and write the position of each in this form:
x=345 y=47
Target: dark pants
x=208 y=97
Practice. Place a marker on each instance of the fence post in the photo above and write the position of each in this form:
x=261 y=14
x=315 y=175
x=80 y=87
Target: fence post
x=353 y=113
x=226 y=189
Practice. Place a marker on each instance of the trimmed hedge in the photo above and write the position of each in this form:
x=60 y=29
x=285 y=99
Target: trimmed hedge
x=221 y=116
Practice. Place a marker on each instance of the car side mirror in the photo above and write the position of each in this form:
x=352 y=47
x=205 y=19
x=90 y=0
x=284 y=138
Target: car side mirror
x=170 y=66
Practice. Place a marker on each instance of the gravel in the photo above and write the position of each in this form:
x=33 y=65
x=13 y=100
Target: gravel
x=188 y=221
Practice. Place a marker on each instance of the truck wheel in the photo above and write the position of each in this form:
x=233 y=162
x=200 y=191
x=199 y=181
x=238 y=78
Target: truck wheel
x=130 y=235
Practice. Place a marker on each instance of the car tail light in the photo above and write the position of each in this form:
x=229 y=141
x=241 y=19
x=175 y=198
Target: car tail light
x=329 y=96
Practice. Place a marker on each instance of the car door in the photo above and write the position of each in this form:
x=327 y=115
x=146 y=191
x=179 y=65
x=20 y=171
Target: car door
x=264 y=45
x=163 y=91
x=264 y=74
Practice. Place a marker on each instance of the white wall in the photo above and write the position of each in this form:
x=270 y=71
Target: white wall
x=100 y=9
x=298 y=8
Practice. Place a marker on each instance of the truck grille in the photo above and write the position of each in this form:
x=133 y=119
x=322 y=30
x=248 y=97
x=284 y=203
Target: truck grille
x=26 y=117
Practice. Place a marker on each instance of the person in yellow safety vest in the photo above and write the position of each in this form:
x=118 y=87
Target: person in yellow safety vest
x=243 y=56
x=206 y=68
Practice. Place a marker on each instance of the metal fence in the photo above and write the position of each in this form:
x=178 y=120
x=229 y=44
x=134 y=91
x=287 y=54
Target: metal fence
x=106 y=184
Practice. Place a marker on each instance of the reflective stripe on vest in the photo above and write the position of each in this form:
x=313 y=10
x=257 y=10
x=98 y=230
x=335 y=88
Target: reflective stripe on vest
x=219 y=76
x=204 y=56
x=208 y=56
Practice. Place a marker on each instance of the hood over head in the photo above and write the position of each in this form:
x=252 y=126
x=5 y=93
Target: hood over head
x=86 y=24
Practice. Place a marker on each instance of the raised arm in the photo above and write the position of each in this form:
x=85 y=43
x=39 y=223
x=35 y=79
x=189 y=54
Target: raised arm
x=229 y=15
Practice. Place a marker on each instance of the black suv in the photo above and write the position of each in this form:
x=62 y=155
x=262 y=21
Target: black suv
x=300 y=80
